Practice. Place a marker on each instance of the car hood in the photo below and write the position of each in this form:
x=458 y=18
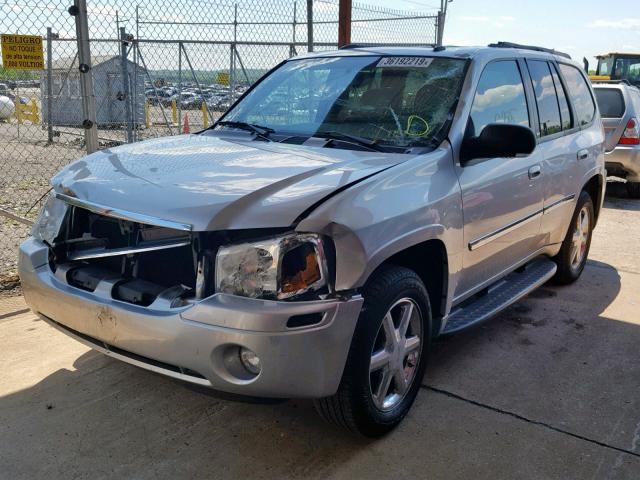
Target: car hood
x=215 y=183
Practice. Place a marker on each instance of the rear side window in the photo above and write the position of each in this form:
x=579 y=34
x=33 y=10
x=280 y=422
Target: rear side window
x=565 y=113
x=546 y=98
x=610 y=102
x=579 y=94
x=499 y=98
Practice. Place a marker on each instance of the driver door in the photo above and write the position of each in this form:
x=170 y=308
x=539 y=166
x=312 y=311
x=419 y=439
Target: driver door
x=502 y=198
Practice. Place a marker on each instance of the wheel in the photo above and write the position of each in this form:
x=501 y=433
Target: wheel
x=575 y=248
x=387 y=357
x=633 y=188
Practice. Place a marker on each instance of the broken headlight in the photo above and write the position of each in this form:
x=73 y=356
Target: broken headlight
x=276 y=268
x=47 y=226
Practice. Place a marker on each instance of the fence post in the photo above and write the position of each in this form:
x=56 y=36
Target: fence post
x=126 y=91
x=310 y=25
x=232 y=71
x=292 y=47
x=49 y=86
x=179 y=105
x=79 y=11
x=442 y=15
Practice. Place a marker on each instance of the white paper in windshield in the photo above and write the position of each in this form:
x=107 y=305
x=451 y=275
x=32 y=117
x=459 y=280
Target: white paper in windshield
x=413 y=62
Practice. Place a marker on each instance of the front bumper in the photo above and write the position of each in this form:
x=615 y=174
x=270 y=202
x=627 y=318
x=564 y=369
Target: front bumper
x=195 y=343
x=624 y=158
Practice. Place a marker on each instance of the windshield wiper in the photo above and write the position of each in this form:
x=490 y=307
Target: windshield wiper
x=259 y=130
x=345 y=137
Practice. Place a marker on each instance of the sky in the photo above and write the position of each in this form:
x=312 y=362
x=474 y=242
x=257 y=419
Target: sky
x=580 y=28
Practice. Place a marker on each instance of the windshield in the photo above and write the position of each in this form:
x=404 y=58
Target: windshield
x=397 y=101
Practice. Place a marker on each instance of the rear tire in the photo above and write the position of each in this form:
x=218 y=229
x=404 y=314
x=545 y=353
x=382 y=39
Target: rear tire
x=387 y=357
x=575 y=248
x=633 y=189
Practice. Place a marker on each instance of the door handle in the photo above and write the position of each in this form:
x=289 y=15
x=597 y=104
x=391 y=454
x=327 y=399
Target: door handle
x=535 y=171
x=583 y=154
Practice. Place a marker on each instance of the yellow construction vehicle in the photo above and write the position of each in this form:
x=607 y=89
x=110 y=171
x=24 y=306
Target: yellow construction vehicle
x=617 y=66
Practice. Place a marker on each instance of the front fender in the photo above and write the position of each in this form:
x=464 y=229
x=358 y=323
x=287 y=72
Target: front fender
x=407 y=204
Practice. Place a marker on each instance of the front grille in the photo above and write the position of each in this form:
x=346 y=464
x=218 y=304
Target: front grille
x=141 y=261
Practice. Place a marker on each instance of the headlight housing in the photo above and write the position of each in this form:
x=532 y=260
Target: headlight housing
x=277 y=268
x=47 y=226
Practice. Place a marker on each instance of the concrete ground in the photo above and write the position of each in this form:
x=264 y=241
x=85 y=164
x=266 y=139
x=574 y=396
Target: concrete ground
x=548 y=389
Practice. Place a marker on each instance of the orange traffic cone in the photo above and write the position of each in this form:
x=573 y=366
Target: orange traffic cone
x=186 y=128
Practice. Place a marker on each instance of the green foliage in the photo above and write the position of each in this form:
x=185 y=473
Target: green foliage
x=10 y=74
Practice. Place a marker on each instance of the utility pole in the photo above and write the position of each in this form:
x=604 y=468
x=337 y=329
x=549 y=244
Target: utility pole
x=344 y=23
x=79 y=11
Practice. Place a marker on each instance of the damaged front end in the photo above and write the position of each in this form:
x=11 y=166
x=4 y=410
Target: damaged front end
x=160 y=264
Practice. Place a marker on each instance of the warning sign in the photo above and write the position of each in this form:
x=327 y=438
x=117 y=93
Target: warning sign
x=22 y=52
x=222 y=78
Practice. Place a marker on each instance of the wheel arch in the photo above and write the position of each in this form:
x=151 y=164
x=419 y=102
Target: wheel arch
x=595 y=187
x=428 y=259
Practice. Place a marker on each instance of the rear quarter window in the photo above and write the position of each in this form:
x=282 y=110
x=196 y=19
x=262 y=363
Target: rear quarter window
x=610 y=102
x=580 y=94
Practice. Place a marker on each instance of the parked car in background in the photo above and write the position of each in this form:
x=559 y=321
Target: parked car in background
x=5 y=91
x=315 y=247
x=619 y=105
x=190 y=101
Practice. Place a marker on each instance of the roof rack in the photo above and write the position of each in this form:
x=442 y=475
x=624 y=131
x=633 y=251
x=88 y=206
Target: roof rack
x=529 y=47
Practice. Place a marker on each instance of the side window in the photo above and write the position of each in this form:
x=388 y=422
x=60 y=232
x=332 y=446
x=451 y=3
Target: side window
x=499 y=98
x=565 y=113
x=579 y=93
x=546 y=99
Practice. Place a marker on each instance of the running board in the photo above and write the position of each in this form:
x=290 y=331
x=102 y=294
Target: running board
x=500 y=295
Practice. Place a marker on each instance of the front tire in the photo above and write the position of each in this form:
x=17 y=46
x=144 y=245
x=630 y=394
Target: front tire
x=575 y=248
x=387 y=357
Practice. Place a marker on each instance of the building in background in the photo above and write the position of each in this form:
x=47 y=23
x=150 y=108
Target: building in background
x=108 y=89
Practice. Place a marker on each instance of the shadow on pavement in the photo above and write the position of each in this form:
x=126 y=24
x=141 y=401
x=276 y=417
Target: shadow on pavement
x=552 y=357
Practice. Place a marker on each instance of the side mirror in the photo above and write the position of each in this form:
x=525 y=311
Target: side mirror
x=499 y=140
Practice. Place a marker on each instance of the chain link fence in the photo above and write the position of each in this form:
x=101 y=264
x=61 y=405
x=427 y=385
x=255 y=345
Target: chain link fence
x=159 y=67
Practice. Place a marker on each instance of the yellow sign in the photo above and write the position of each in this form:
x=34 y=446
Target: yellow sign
x=223 y=78
x=22 y=52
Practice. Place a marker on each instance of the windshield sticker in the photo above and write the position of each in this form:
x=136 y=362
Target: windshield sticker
x=419 y=62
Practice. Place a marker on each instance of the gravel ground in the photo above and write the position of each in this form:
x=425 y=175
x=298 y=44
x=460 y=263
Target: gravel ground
x=27 y=163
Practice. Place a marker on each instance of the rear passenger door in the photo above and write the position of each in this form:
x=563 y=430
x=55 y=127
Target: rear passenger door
x=501 y=197
x=571 y=148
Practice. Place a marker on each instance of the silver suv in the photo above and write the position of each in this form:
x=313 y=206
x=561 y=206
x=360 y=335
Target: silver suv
x=619 y=105
x=348 y=209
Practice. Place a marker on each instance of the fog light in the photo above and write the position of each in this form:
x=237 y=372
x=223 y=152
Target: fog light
x=250 y=360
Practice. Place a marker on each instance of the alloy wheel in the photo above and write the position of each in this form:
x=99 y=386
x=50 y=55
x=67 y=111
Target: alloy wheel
x=395 y=354
x=580 y=238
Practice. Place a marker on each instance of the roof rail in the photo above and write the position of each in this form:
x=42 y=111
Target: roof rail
x=349 y=46
x=529 y=47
